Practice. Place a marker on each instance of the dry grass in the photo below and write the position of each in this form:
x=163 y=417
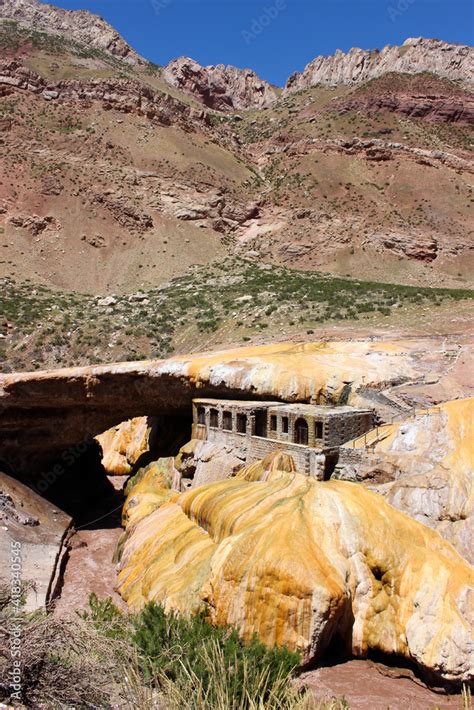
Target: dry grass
x=79 y=663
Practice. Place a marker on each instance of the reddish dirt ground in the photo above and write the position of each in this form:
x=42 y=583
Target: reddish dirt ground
x=90 y=566
x=372 y=686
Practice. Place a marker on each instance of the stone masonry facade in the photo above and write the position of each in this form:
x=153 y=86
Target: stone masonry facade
x=311 y=434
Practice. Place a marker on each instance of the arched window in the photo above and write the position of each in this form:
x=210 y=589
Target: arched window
x=214 y=418
x=227 y=421
x=301 y=432
x=201 y=414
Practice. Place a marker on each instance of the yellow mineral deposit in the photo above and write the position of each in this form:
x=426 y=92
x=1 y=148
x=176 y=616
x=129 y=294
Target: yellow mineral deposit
x=299 y=371
x=123 y=445
x=298 y=561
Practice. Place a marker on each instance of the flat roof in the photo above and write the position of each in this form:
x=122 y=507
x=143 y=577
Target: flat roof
x=241 y=403
x=293 y=407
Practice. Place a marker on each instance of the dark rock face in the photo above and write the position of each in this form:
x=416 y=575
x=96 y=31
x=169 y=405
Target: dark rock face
x=222 y=88
x=49 y=420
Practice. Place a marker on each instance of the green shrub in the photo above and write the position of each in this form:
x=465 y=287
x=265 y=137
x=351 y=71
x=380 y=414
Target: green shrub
x=172 y=644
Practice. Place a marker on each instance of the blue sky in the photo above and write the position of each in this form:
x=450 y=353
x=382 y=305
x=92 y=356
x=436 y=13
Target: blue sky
x=276 y=37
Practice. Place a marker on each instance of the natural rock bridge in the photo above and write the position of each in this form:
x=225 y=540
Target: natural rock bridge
x=47 y=416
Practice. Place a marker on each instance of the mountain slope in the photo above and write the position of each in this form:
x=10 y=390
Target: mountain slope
x=79 y=25
x=113 y=179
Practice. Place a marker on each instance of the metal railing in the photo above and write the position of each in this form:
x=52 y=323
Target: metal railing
x=377 y=433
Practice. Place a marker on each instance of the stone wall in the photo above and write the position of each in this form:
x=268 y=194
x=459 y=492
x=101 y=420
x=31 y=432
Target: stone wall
x=325 y=429
x=354 y=464
x=253 y=448
x=345 y=427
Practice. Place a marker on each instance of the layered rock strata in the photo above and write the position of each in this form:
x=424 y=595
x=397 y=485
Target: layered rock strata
x=223 y=88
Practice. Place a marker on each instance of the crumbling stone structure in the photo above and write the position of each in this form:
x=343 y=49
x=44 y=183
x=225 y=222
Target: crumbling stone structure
x=312 y=434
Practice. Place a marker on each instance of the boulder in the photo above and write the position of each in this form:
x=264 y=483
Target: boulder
x=203 y=462
x=36 y=531
x=125 y=444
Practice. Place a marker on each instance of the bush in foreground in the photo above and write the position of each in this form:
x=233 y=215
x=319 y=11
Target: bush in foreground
x=104 y=659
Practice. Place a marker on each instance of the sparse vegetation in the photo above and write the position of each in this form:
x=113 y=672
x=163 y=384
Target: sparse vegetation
x=103 y=658
x=43 y=328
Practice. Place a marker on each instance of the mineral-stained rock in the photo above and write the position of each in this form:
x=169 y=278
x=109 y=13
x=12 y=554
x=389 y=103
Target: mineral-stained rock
x=70 y=405
x=151 y=487
x=424 y=466
x=124 y=444
x=301 y=562
x=220 y=87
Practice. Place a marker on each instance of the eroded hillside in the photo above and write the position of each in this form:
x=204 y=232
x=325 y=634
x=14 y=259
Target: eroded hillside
x=113 y=179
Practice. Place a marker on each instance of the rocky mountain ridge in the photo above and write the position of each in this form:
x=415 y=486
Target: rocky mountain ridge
x=416 y=55
x=348 y=180
x=222 y=88
x=228 y=88
x=79 y=25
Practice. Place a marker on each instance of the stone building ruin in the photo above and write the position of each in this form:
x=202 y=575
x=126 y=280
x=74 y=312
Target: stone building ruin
x=311 y=434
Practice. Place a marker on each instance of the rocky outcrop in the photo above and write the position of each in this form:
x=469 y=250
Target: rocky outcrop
x=35 y=225
x=36 y=532
x=424 y=466
x=218 y=209
x=301 y=563
x=452 y=61
x=80 y=26
x=122 y=95
x=414 y=245
x=124 y=445
x=376 y=149
x=433 y=108
x=222 y=88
